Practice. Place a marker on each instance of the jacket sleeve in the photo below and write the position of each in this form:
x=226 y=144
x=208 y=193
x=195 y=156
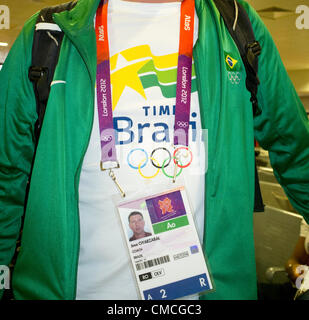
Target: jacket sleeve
x=17 y=119
x=281 y=125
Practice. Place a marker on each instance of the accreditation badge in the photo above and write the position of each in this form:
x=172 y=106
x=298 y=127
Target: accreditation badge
x=163 y=244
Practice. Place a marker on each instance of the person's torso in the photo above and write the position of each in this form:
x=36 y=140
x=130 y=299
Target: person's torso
x=143 y=41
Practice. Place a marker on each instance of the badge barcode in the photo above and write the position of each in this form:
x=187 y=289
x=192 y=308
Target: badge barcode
x=152 y=263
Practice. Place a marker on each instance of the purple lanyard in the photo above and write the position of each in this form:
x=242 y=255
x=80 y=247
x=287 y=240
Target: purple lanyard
x=104 y=96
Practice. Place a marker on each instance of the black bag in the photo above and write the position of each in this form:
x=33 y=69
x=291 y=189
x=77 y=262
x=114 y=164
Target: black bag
x=238 y=23
x=45 y=54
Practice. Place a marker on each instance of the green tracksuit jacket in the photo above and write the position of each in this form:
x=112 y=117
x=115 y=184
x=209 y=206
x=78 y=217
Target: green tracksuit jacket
x=47 y=264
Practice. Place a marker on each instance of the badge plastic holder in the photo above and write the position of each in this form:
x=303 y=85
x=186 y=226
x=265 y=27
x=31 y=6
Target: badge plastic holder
x=166 y=256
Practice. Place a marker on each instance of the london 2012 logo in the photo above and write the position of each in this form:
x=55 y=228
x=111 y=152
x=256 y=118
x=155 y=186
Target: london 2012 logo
x=165 y=205
x=302 y=22
x=4 y=17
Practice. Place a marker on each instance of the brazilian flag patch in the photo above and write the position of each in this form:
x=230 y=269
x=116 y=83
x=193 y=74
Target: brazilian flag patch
x=231 y=63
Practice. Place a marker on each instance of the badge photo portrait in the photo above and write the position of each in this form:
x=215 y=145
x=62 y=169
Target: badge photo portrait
x=137 y=224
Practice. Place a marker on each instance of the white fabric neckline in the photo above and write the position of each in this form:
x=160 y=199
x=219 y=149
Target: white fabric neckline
x=144 y=8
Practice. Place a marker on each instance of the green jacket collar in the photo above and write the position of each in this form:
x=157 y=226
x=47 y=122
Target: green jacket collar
x=78 y=26
x=79 y=19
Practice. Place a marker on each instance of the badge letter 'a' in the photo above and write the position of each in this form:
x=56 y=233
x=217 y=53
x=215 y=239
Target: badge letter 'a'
x=4 y=17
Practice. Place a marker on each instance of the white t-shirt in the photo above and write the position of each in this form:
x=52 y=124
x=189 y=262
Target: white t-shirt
x=143 y=41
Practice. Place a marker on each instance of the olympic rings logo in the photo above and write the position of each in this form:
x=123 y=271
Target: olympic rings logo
x=176 y=157
x=182 y=124
x=234 y=77
x=107 y=138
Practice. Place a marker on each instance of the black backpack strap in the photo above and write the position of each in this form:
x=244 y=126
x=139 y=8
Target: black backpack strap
x=46 y=46
x=239 y=25
x=45 y=53
x=47 y=41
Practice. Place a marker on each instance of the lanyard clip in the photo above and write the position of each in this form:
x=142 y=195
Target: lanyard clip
x=107 y=165
x=113 y=177
x=110 y=165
